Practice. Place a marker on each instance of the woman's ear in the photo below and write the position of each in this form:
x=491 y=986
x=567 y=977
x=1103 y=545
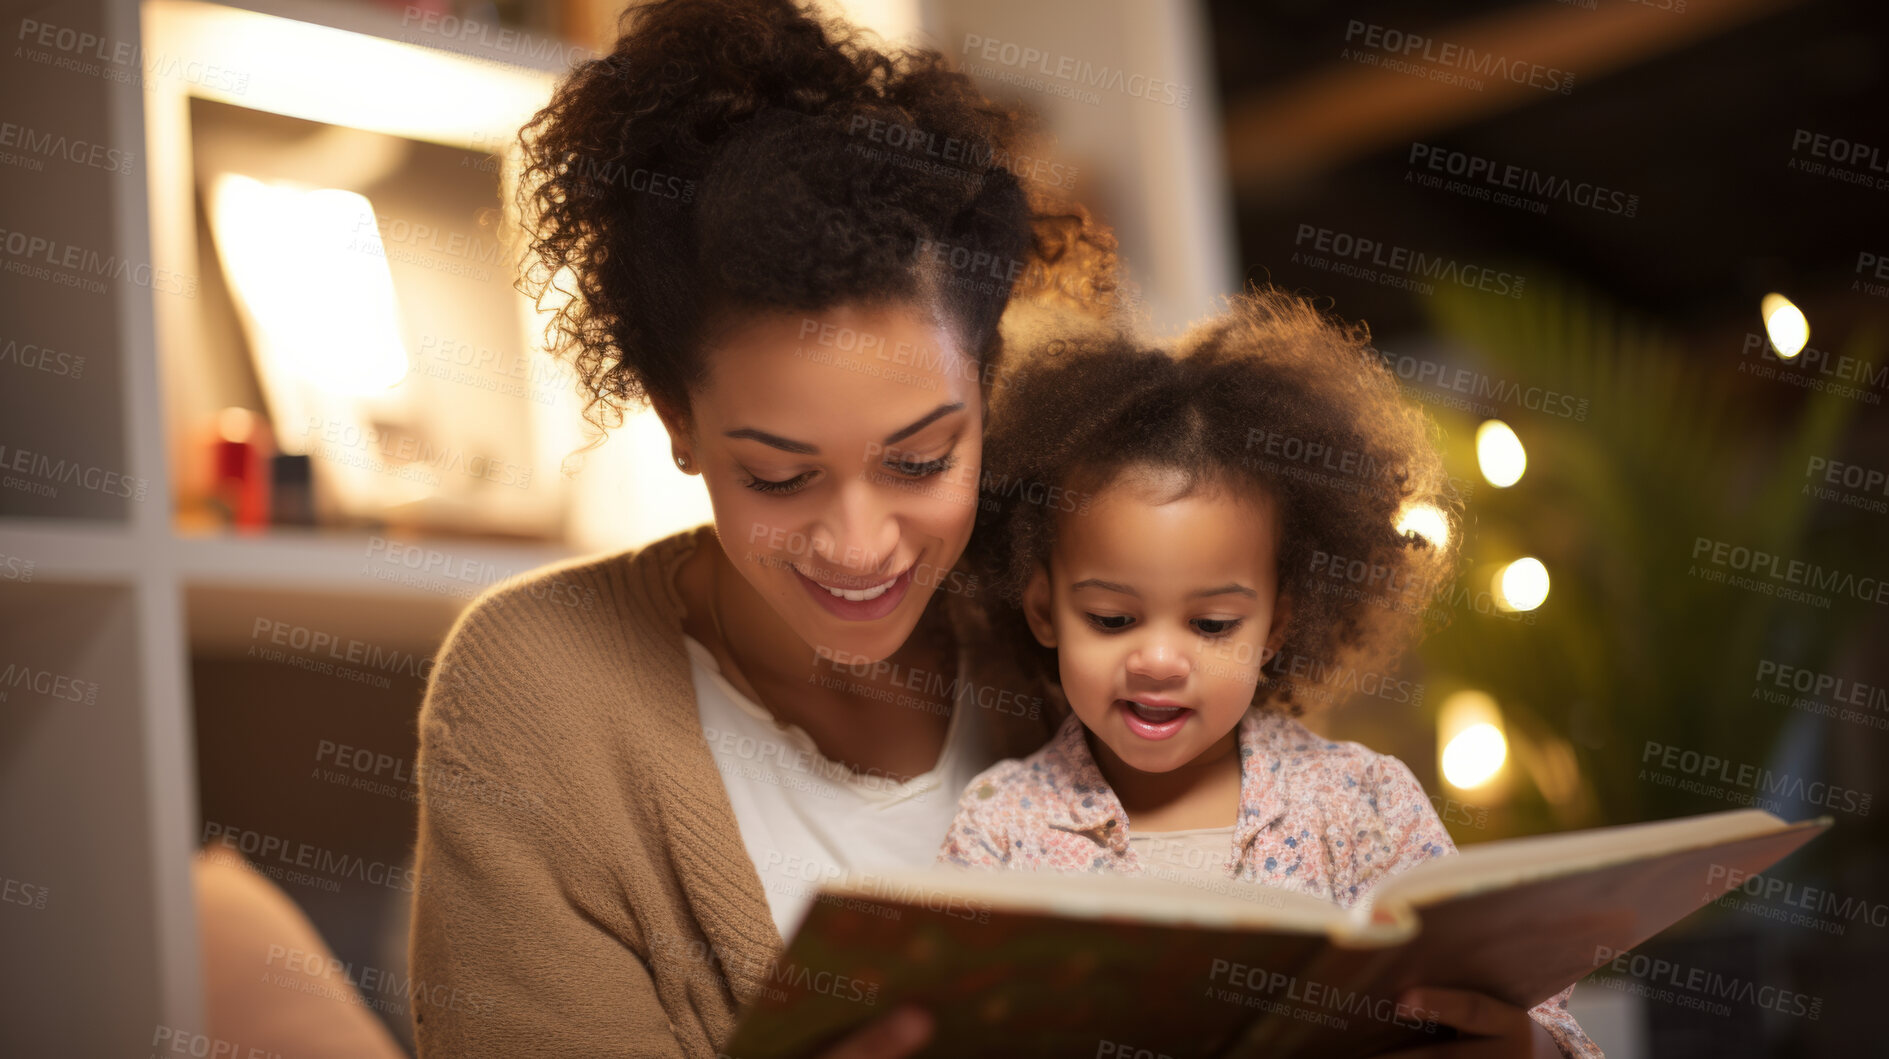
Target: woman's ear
x=679 y=432
x=672 y=418
x=1036 y=608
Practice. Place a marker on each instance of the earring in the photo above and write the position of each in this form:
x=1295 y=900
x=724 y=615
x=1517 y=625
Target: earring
x=682 y=462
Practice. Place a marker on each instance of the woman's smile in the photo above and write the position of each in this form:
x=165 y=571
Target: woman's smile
x=858 y=604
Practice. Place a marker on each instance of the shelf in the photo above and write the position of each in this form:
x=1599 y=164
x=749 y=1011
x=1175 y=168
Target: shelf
x=336 y=563
x=356 y=563
x=73 y=718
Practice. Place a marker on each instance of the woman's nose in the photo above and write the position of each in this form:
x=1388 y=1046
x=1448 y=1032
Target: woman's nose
x=860 y=532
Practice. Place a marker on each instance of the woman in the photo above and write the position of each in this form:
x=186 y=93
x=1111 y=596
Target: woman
x=637 y=767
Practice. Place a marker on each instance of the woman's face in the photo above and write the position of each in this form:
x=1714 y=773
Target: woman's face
x=842 y=451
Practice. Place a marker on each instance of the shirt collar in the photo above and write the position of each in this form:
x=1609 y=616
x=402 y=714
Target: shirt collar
x=1091 y=808
x=1088 y=805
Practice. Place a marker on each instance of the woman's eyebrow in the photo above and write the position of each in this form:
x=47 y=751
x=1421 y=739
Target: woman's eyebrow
x=775 y=440
x=942 y=410
x=804 y=449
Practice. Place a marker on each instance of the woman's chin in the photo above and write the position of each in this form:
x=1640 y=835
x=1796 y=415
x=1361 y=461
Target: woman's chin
x=847 y=642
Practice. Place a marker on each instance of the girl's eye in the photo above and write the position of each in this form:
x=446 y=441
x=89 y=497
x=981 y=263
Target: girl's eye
x=1109 y=622
x=762 y=485
x=1216 y=626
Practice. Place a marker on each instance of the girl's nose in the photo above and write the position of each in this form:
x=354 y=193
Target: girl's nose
x=1159 y=659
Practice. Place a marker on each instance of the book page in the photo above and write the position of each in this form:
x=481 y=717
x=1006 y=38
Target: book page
x=1098 y=896
x=1498 y=865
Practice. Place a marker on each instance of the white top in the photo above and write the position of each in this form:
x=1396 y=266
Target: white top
x=1197 y=856
x=806 y=818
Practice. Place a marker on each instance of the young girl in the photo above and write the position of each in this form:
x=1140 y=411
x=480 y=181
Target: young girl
x=1221 y=516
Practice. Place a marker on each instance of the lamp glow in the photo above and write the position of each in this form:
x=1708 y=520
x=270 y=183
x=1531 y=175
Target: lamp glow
x=236 y=425
x=1474 y=756
x=309 y=266
x=1426 y=521
x=1785 y=324
x=1500 y=454
x=1470 y=733
x=1521 y=585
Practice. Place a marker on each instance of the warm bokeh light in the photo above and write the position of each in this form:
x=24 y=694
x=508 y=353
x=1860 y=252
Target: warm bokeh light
x=236 y=425
x=357 y=80
x=1521 y=585
x=1474 y=756
x=1426 y=521
x=1469 y=729
x=1500 y=454
x=308 y=266
x=1784 y=322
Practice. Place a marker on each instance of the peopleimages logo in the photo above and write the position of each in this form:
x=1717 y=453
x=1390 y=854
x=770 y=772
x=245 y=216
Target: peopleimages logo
x=1075 y=73
x=490 y=36
x=43 y=144
x=968 y=158
x=45 y=474
x=1699 y=985
x=1507 y=184
x=1365 y=258
x=1748 y=777
x=1448 y=61
x=1483 y=387
x=1839 y=150
x=320 y=867
x=38 y=257
x=1798 y=904
x=1791 y=572
x=47 y=684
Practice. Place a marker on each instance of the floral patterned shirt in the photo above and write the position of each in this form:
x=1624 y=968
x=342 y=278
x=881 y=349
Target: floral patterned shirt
x=1330 y=819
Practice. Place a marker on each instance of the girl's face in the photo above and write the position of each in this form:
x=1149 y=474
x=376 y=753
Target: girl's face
x=1162 y=612
x=841 y=451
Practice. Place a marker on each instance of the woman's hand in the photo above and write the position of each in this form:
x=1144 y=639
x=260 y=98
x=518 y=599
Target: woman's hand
x=899 y=1034
x=1491 y=1028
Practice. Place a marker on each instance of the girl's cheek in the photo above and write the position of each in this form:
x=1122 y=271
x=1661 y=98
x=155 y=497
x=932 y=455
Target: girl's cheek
x=1088 y=664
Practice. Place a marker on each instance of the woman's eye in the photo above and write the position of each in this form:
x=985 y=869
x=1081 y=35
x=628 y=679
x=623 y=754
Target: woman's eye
x=1109 y=622
x=1216 y=626
x=763 y=485
x=912 y=467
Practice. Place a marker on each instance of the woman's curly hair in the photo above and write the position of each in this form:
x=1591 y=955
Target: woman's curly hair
x=1272 y=397
x=730 y=157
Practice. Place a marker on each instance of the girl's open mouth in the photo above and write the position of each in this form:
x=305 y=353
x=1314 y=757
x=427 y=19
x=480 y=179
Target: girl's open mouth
x=1152 y=721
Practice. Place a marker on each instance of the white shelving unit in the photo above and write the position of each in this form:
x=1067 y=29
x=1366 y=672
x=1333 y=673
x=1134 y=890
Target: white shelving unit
x=100 y=796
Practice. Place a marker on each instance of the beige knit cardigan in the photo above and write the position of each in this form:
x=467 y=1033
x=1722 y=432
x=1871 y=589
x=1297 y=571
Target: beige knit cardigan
x=582 y=887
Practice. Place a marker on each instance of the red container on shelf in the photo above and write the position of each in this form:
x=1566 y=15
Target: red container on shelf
x=239 y=486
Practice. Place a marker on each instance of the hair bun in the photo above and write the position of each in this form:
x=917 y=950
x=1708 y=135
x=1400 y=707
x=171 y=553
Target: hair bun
x=735 y=154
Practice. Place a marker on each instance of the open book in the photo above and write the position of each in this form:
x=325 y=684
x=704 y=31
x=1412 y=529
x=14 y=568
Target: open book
x=1027 y=964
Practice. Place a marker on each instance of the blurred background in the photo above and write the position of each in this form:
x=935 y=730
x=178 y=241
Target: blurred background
x=272 y=413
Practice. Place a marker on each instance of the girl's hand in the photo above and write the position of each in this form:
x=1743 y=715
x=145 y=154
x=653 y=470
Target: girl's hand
x=1493 y=1029
x=899 y=1034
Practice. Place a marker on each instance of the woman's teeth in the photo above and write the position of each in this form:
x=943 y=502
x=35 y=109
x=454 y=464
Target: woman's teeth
x=862 y=594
